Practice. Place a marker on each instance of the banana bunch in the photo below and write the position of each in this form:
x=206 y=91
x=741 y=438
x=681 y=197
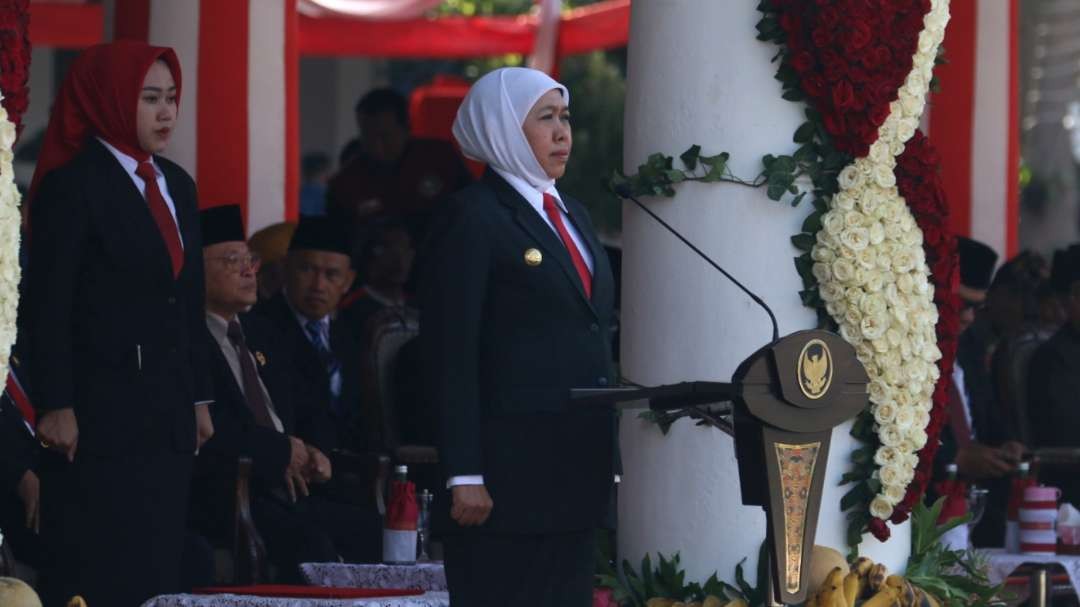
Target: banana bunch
x=710 y=601
x=870 y=583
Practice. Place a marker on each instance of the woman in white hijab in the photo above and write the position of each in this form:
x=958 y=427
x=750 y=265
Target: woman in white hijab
x=516 y=297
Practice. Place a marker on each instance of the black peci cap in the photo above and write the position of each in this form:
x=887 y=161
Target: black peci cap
x=977 y=262
x=319 y=234
x=221 y=224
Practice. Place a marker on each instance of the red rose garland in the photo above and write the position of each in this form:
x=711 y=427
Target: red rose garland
x=920 y=184
x=15 y=58
x=851 y=58
x=848 y=59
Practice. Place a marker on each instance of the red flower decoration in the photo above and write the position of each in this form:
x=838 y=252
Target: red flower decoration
x=863 y=49
x=879 y=529
x=920 y=185
x=15 y=58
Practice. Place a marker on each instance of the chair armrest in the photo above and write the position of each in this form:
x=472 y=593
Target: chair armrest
x=249 y=551
x=416 y=454
x=370 y=470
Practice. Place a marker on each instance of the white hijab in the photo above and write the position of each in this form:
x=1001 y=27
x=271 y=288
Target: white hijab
x=489 y=121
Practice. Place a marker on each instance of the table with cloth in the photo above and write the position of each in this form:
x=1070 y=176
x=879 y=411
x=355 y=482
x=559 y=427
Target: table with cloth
x=1002 y=563
x=427 y=599
x=425 y=576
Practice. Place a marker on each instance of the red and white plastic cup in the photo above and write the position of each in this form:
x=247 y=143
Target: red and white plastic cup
x=1038 y=520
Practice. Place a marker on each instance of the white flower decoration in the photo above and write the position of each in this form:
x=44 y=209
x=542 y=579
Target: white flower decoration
x=872 y=274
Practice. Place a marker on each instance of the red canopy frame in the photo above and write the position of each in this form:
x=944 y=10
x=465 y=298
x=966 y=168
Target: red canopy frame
x=599 y=26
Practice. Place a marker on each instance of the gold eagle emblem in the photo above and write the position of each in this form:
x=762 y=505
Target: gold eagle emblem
x=815 y=369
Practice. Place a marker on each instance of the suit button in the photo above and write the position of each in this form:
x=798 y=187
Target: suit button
x=602 y=381
x=595 y=328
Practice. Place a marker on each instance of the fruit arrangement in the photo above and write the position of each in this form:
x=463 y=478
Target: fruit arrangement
x=869 y=584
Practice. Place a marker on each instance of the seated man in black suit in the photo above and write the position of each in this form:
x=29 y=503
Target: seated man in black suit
x=19 y=484
x=324 y=347
x=255 y=408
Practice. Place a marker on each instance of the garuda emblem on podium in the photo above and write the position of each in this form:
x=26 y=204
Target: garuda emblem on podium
x=815 y=369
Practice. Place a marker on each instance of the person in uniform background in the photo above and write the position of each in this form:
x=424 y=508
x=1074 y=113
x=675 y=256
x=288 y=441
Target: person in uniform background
x=253 y=417
x=115 y=306
x=516 y=309
x=386 y=173
x=385 y=264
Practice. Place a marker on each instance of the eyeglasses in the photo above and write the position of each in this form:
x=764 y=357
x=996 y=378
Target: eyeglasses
x=237 y=262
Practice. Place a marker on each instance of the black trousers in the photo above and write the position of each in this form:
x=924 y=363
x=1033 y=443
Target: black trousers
x=520 y=570
x=316 y=530
x=24 y=543
x=114 y=526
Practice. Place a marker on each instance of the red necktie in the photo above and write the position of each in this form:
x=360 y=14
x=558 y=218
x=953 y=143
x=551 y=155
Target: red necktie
x=22 y=402
x=162 y=217
x=553 y=213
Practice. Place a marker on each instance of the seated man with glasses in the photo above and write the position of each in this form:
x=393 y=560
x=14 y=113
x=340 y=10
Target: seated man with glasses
x=255 y=409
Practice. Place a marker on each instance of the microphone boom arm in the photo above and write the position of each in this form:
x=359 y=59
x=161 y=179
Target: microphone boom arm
x=623 y=192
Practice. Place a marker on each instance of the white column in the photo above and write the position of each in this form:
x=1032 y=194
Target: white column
x=992 y=172
x=176 y=24
x=698 y=75
x=266 y=114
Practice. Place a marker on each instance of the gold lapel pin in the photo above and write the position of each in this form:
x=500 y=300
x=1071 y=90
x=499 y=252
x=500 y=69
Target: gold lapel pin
x=533 y=257
x=259 y=356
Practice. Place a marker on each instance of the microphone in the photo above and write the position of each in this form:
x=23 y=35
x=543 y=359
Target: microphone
x=622 y=190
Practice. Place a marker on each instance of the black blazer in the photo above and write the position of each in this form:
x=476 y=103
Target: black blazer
x=503 y=343
x=235 y=431
x=236 y=434
x=111 y=332
x=313 y=382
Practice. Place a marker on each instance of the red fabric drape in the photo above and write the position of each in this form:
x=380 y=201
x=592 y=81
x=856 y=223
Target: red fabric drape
x=596 y=27
x=66 y=25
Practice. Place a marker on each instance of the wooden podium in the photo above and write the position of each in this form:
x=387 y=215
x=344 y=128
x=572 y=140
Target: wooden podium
x=785 y=399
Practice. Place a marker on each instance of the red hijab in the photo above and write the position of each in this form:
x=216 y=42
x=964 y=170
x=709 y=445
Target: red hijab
x=100 y=97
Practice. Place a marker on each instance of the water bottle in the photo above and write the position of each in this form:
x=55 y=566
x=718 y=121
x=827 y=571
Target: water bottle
x=399 y=532
x=1021 y=481
x=958 y=537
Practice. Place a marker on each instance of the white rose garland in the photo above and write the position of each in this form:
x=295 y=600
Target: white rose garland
x=875 y=283
x=10 y=220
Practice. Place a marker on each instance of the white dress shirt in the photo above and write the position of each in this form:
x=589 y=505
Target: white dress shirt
x=961 y=388
x=219 y=329
x=130 y=164
x=535 y=199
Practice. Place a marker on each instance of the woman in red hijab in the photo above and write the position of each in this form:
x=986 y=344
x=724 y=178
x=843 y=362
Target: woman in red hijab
x=115 y=292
